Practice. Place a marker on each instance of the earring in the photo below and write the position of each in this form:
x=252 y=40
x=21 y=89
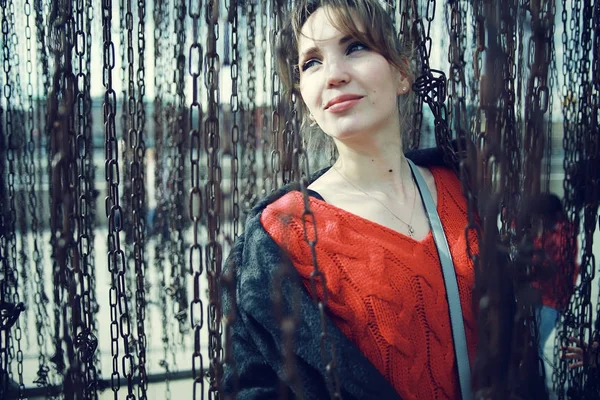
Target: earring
x=313 y=123
x=405 y=89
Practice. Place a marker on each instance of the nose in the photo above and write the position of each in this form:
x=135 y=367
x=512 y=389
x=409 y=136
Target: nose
x=337 y=74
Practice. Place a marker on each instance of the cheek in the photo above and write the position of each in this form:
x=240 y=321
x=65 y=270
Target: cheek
x=308 y=96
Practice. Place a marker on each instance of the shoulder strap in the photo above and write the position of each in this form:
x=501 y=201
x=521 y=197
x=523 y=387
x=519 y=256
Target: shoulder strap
x=452 y=294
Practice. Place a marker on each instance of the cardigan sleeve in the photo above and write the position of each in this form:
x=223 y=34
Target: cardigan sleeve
x=247 y=374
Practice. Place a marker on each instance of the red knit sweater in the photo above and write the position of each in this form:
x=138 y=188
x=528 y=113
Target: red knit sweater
x=386 y=290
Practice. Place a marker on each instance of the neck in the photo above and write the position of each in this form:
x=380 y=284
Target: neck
x=379 y=166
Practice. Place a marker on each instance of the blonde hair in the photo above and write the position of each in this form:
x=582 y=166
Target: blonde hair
x=347 y=16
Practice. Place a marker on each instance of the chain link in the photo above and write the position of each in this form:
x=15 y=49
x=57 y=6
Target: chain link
x=228 y=279
x=275 y=99
x=8 y=283
x=214 y=199
x=137 y=143
x=249 y=197
x=195 y=200
x=265 y=136
x=84 y=336
x=120 y=324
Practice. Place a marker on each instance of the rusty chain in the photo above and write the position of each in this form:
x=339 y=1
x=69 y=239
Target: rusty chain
x=214 y=199
x=228 y=279
x=265 y=135
x=249 y=196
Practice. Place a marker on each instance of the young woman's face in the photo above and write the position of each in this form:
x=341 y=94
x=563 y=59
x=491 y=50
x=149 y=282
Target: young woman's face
x=348 y=89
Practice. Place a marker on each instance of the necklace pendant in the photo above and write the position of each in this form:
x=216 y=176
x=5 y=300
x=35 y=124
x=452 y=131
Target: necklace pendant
x=411 y=231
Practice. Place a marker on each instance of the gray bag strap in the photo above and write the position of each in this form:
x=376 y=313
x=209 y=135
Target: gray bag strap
x=452 y=294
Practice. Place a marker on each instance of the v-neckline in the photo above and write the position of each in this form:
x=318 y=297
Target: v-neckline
x=428 y=238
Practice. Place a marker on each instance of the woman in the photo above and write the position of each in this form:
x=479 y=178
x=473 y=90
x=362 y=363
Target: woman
x=559 y=267
x=387 y=314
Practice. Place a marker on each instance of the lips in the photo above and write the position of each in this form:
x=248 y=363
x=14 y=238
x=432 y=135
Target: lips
x=342 y=102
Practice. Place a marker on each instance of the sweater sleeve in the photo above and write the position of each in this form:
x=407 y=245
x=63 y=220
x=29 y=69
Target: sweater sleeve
x=247 y=373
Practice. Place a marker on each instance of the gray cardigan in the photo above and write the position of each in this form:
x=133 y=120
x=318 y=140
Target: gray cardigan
x=257 y=368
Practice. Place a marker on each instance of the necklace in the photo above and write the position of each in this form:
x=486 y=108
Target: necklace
x=411 y=230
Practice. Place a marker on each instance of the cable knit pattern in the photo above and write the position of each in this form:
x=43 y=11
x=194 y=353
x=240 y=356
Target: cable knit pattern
x=385 y=290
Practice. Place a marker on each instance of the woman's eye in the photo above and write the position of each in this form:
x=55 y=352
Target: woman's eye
x=356 y=46
x=308 y=64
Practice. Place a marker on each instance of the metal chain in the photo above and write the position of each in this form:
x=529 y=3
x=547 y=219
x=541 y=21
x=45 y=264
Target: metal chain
x=8 y=283
x=64 y=220
x=85 y=340
x=4 y=259
x=317 y=278
x=249 y=197
x=587 y=151
x=288 y=320
x=569 y=93
x=20 y=134
x=139 y=204
x=457 y=90
x=431 y=84
x=265 y=135
x=116 y=257
x=16 y=135
x=228 y=279
x=195 y=200
x=89 y=297
x=275 y=98
x=214 y=200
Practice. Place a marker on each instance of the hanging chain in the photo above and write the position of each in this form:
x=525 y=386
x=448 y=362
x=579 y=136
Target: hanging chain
x=20 y=133
x=195 y=200
x=137 y=143
x=288 y=319
x=9 y=300
x=214 y=200
x=85 y=340
x=587 y=151
x=568 y=96
x=265 y=142
x=120 y=324
x=275 y=99
x=537 y=92
x=317 y=278
x=234 y=104
x=431 y=84
x=65 y=222
x=177 y=250
x=457 y=91
x=249 y=197
x=228 y=279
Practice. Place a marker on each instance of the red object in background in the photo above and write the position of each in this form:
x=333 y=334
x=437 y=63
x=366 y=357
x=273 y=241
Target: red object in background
x=559 y=251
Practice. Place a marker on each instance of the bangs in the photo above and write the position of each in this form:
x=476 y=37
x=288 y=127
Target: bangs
x=364 y=20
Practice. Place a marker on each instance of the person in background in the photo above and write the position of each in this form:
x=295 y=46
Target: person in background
x=556 y=251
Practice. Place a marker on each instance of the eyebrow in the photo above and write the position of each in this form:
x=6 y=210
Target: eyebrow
x=315 y=50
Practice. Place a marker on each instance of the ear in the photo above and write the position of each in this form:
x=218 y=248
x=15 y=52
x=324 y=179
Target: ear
x=403 y=85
